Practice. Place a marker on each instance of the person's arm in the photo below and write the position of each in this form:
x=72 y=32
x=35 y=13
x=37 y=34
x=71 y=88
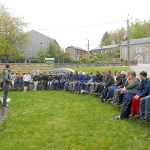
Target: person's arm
x=132 y=85
x=110 y=82
x=6 y=76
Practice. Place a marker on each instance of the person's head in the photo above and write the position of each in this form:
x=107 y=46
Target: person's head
x=76 y=72
x=7 y=66
x=118 y=73
x=80 y=72
x=12 y=71
x=128 y=74
x=97 y=72
x=132 y=75
x=143 y=75
x=115 y=73
x=108 y=72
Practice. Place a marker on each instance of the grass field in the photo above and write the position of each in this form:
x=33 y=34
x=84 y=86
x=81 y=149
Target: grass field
x=45 y=67
x=56 y=120
x=101 y=69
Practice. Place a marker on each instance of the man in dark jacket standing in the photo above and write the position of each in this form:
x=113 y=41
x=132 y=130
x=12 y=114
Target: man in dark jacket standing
x=6 y=83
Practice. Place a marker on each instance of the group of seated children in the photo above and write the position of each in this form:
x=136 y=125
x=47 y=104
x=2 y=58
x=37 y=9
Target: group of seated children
x=123 y=89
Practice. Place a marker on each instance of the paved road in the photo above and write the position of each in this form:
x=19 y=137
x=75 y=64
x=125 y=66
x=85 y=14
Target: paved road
x=141 y=67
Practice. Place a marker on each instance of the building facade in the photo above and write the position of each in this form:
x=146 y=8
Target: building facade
x=109 y=50
x=139 y=50
x=75 y=52
x=37 y=41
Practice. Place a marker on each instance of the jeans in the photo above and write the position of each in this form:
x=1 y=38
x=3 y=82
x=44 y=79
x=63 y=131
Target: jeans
x=126 y=107
x=35 y=85
x=145 y=107
x=110 y=91
x=66 y=86
x=80 y=86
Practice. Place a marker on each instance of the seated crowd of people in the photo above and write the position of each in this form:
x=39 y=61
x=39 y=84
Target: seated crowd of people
x=121 y=88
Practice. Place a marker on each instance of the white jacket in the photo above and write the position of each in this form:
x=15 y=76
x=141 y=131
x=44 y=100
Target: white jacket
x=27 y=78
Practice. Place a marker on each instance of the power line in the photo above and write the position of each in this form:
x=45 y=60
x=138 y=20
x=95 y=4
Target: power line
x=81 y=26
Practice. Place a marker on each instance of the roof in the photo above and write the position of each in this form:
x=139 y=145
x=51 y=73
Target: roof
x=75 y=47
x=137 y=41
x=105 y=47
x=49 y=58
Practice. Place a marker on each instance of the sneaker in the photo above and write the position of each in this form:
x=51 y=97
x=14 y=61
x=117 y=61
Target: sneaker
x=131 y=115
x=82 y=91
x=147 y=120
x=101 y=100
x=118 y=117
x=142 y=118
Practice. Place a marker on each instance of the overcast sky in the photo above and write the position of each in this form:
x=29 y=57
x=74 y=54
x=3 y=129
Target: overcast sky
x=73 y=22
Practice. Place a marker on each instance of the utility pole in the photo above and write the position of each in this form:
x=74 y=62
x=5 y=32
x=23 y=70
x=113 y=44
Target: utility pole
x=128 y=41
x=88 y=46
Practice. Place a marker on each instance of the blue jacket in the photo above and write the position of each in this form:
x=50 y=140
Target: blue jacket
x=94 y=78
x=81 y=78
x=148 y=87
x=143 y=89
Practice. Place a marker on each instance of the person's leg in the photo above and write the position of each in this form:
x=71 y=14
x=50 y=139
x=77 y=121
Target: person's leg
x=66 y=86
x=25 y=88
x=96 y=87
x=21 y=84
x=108 y=93
x=101 y=88
x=5 y=88
x=13 y=83
x=87 y=85
x=34 y=87
x=52 y=85
x=134 y=106
x=104 y=93
x=126 y=107
x=147 y=107
x=142 y=107
x=76 y=86
x=71 y=86
x=137 y=105
x=79 y=86
x=115 y=95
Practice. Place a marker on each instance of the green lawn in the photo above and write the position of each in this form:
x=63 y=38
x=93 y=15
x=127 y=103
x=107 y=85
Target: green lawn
x=101 y=69
x=56 y=120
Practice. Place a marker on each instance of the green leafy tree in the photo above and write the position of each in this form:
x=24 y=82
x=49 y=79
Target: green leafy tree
x=12 y=36
x=106 y=39
x=53 y=51
x=116 y=53
x=140 y=29
x=118 y=36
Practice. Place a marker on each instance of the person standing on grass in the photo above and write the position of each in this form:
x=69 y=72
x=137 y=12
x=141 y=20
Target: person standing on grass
x=26 y=80
x=6 y=84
